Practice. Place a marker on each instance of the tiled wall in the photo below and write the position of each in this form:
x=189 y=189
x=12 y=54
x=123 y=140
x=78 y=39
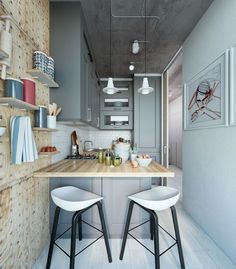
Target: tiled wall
x=62 y=138
x=104 y=139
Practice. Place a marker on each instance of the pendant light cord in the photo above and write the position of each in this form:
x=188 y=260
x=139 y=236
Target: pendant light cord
x=110 y=40
x=145 y=29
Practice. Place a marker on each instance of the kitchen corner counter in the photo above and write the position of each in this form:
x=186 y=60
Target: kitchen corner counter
x=91 y=168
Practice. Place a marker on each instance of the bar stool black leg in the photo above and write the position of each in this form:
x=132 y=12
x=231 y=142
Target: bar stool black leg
x=53 y=236
x=177 y=235
x=131 y=205
x=156 y=240
x=73 y=239
x=80 y=227
x=151 y=227
x=105 y=234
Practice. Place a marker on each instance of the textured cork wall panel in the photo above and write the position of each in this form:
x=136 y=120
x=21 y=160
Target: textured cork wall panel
x=24 y=200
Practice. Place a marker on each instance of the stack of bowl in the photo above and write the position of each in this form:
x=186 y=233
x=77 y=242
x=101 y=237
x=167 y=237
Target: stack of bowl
x=122 y=149
x=44 y=63
x=40 y=61
x=50 y=67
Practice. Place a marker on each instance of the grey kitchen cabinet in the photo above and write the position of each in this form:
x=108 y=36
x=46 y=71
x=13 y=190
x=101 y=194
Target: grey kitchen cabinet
x=112 y=120
x=115 y=193
x=69 y=46
x=116 y=110
x=147 y=118
x=120 y=101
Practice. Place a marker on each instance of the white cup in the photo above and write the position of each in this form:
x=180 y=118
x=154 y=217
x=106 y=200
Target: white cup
x=133 y=156
x=51 y=122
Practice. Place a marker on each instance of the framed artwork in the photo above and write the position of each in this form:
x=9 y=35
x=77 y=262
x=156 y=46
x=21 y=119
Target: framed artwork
x=233 y=85
x=205 y=96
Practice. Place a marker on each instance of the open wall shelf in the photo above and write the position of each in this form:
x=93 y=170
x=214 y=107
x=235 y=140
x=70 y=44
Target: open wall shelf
x=43 y=78
x=13 y=102
x=37 y=129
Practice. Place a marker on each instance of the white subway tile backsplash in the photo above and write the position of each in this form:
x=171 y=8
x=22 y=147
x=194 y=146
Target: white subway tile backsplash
x=103 y=139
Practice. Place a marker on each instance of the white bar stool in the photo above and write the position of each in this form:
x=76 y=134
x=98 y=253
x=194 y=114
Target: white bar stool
x=156 y=199
x=74 y=199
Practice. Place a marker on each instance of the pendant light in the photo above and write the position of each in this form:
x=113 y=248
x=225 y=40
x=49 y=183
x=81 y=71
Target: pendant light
x=110 y=89
x=145 y=89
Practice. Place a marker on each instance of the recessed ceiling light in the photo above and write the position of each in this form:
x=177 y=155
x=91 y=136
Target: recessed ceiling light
x=131 y=67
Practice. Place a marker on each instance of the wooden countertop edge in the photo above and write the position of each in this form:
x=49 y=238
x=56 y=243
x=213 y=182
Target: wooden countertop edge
x=97 y=174
x=91 y=168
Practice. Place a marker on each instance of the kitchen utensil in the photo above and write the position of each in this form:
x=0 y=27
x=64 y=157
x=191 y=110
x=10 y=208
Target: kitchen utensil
x=28 y=90
x=74 y=150
x=50 y=109
x=74 y=137
x=58 y=111
x=54 y=108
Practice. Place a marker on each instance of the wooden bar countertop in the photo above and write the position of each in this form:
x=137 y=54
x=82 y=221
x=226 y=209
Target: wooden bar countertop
x=91 y=168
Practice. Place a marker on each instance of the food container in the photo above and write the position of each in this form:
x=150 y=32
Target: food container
x=28 y=90
x=41 y=117
x=14 y=88
x=117 y=161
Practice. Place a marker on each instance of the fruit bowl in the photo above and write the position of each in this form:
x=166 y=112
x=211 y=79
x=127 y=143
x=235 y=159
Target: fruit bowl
x=143 y=161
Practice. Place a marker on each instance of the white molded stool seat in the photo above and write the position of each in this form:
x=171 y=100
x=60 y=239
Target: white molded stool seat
x=158 y=198
x=73 y=199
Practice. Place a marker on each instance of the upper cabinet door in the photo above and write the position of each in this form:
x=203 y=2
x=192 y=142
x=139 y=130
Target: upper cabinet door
x=121 y=101
x=147 y=117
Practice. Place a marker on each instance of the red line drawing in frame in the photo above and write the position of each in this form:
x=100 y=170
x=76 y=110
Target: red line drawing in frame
x=202 y=96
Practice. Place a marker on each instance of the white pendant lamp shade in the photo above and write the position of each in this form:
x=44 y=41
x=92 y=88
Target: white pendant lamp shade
x=145 y=89
x=110 y=89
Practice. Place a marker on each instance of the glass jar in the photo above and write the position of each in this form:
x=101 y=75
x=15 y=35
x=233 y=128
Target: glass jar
x=108 y=158
x=100 y=156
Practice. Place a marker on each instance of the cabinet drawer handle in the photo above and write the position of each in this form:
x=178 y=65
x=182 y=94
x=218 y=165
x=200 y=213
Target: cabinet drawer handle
x=98 y=122
x=117 y=109
x=89 y=114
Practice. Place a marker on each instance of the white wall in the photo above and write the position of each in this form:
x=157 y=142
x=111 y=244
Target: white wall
x=209 y=155
x=175 y=132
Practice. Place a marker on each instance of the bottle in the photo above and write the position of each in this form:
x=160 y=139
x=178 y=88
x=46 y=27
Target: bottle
x=100 y=156
x=108 y=158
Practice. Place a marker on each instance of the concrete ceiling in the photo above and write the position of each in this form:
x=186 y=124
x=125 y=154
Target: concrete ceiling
x=165 y=35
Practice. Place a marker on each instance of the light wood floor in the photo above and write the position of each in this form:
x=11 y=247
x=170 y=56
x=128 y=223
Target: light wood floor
x=200 y=251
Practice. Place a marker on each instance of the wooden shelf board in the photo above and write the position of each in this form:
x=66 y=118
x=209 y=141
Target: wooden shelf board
x=4 y=139
x=43 y=78
x=37 y=129
x=49 y=153
x=11 y=101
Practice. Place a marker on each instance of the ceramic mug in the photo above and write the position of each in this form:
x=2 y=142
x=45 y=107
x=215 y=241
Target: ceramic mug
x=51 y=122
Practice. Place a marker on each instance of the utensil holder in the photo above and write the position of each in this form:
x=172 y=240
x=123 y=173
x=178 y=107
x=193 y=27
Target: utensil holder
x=51 y=122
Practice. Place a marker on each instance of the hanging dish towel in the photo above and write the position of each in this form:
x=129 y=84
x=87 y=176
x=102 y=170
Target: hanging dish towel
x=23 y=147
